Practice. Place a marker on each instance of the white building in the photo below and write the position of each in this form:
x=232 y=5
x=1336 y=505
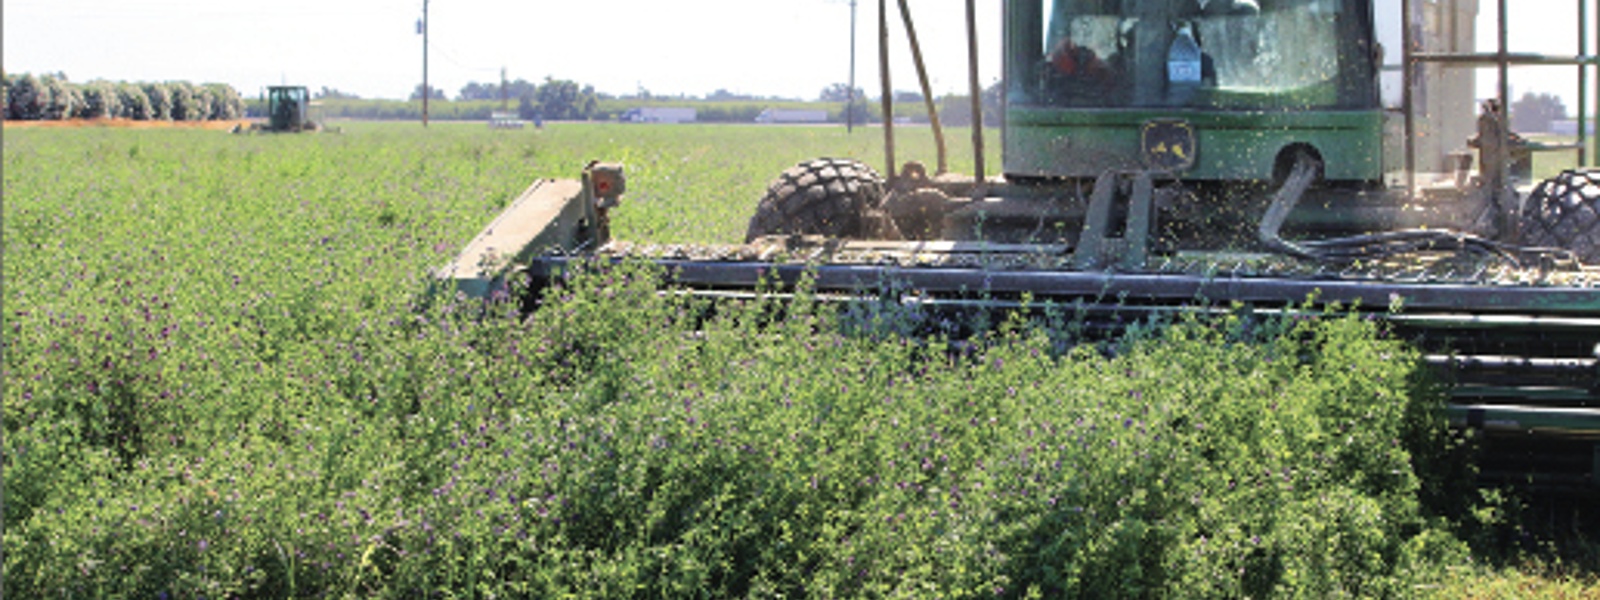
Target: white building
x=659 y=114
x=778 y=115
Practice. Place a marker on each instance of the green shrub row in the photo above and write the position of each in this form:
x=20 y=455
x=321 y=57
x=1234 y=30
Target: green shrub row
x=52 y=97
x=622 y=444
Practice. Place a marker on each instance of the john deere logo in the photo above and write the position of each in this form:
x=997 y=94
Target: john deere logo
x=1167 y=145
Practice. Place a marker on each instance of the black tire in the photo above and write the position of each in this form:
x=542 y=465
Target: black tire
x=1564 y=212
x=826 y=196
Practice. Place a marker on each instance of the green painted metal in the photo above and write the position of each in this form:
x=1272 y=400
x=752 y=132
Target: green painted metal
x=287 y=107
x=1578 y=422
x=1230 y=145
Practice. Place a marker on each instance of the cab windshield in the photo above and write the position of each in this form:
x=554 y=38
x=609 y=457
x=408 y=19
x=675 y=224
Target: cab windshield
x=1223 y=54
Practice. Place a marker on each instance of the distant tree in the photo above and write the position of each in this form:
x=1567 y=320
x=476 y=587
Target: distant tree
x=859 y=111
x=333 y=94
x=566 y=100
x=100 y=101
x=160 y=101
x=479 y=91
x=956 y=110
x=840 y=92
x=905 y=97
x=205 y=104
x=226 y=104
x=722 y=95
x=185 y=104
x=133 y=102
x=63 y=98
x=434 y=94
x=1536 y=112
x=24 y=100
x=528 y=108
x=590 y=102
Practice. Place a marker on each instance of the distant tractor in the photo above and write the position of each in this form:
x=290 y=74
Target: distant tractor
x=288 y=110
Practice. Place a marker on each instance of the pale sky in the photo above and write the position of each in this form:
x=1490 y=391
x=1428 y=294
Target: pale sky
x=789 y=48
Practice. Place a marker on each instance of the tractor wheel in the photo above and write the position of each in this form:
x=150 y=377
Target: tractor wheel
x=827 y=196
x=1564 y=212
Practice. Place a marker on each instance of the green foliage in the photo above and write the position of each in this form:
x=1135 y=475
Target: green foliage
x=161 y=101
x=134 y=102
x=60 y=99
x=25 y=98
x=100 y=101
x=223 y=378
x=52 y=97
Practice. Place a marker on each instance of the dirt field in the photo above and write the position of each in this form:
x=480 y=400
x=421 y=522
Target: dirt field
x=128 y=124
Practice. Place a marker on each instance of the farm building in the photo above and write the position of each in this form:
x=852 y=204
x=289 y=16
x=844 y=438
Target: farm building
x=505 y=120
x=776 y=115
x=658 y=114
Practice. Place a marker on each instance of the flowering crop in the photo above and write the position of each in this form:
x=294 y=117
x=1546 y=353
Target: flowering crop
x=223 y=378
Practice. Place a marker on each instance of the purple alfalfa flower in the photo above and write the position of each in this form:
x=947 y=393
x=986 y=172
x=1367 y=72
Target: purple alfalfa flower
x=202 y=545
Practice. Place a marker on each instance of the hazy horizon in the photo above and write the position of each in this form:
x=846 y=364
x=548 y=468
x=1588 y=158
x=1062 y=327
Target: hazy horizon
x=764 y=48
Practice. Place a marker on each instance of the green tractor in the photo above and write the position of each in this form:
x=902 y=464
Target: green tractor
x=1229 y=124
x=1196 y=156
x=288 y=111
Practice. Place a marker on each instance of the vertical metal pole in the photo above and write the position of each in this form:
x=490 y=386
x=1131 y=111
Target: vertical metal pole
x=976 y=90
x=850 y=105
x=1407 y=74
x=1502 y=166
x=1583 y=82
x=426 y=91
x=888 y=94
x=504 y=98
x=927 y=91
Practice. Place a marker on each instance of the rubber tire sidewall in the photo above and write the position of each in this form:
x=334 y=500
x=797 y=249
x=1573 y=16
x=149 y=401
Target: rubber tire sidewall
x=825 y=196
x=1564 y=212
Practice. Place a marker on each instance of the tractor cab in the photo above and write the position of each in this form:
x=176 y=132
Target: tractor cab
x=288 y=109
x=1213 y=90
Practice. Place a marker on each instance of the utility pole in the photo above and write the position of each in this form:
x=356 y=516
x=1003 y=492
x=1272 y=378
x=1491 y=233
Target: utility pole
x=426 y=91
x=849 y=107
x=503 y=98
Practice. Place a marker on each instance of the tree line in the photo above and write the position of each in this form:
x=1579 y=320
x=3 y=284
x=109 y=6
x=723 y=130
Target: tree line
x=52 y=96
x=558 y=99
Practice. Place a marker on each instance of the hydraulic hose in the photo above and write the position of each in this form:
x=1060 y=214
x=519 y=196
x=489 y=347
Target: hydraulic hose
x=1368 y=246
x=1284 y=200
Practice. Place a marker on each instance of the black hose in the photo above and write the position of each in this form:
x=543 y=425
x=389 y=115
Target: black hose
x=1376 y=245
